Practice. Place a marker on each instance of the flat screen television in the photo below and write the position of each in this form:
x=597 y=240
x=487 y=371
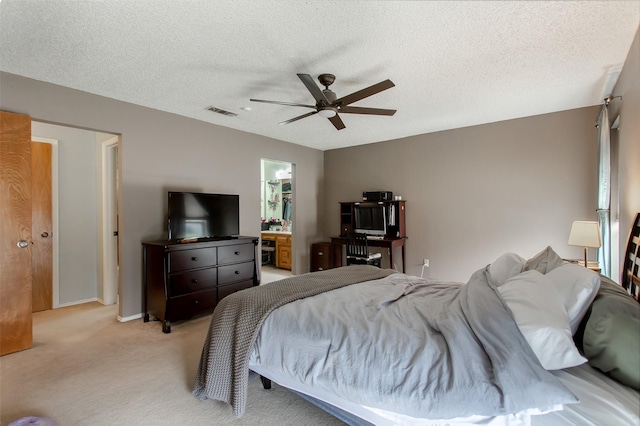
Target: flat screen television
x=370 y=218
x=199 y=215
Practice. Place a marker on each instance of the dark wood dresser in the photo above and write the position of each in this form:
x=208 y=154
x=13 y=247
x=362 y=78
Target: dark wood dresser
x=182 y=280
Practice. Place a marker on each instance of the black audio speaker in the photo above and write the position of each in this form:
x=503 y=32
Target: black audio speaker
x=377 y=196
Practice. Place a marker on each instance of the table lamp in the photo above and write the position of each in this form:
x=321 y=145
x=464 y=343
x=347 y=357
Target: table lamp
x=585 y=234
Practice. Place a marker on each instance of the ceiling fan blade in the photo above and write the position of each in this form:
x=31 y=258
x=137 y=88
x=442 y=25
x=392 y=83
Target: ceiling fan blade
x=361 y=110
x=313 y=88
x=283 y=103
x=337 y=122
x=361 y=94
x=300 y=117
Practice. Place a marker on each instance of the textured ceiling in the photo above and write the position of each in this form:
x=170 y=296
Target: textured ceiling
x=454 y=63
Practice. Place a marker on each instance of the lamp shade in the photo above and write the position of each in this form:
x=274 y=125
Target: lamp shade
x=585 y=234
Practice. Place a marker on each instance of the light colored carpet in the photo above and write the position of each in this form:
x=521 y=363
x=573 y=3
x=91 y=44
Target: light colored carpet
x=271 y=273
x=86 y=368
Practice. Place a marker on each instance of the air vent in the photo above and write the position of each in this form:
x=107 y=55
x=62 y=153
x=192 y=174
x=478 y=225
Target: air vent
x=221 y=111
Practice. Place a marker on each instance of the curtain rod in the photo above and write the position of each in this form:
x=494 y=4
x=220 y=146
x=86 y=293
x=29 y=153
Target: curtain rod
x=607 y=101
x=609 y=98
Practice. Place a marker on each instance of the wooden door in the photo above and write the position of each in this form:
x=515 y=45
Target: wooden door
x=15 y=233
x=41 y=228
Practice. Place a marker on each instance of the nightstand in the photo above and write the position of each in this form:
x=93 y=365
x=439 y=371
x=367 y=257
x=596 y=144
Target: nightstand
x=591 y=264
x=321 y=258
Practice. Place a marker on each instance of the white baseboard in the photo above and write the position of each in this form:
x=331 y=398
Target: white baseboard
x=129 y=318
x=95 y=299
x=78 y=302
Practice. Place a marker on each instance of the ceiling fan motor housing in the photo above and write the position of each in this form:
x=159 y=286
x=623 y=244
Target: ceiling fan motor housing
x=330 y=95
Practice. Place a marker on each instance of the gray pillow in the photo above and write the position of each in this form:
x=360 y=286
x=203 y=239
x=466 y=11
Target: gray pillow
x=611 y=335
x=544 y=261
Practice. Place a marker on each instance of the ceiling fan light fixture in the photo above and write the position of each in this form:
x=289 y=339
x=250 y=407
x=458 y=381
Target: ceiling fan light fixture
x=327 y=105
x=327 y=112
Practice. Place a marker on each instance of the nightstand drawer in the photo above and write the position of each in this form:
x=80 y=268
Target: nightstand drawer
x=191 y=259
x=233 y=273
x=236 y=253
x=188 y=282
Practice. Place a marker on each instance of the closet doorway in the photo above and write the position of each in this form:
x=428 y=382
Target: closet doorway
x=84 y=212
x=277 y=218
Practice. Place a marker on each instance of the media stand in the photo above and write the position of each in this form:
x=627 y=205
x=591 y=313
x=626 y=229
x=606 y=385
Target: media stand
x=182 y=280
x=395 y=237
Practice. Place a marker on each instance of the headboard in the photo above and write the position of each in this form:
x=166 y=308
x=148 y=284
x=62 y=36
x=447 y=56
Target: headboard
x=631 y=272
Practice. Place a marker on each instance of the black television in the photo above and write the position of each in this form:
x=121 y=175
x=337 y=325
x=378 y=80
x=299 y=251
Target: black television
x=370 y=218
x=198 y=215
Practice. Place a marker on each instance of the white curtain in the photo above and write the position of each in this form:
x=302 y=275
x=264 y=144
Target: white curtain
x=604 y=190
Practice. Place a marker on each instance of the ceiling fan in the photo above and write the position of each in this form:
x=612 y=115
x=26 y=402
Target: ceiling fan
x=329 y=105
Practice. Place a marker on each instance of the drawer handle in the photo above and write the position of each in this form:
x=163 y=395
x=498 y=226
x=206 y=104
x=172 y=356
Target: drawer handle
x=195 y=302
x=194 y=258
x=237 y=272
x=195 y=281
x=320 y=269
x=320 y=253
x=237 y=253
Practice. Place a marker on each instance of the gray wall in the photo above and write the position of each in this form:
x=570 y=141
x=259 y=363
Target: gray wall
x=628 y=108
x=477 y=192
x=77 y=205
x=162 y=152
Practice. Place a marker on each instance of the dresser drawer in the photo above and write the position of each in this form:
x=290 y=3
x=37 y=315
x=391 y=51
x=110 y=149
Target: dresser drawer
x=191 y=304
x=191 y=259
x=232 y=273
x=225 y=290
x=236 y=253
x=190 y=281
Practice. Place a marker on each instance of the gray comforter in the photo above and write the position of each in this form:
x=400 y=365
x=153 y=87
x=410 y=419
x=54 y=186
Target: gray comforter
x=223 y=371
x=429 y=350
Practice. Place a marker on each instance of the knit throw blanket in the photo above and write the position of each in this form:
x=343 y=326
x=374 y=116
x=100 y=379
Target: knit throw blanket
x=223 y=373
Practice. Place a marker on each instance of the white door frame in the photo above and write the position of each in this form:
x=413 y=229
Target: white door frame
x=55 y=277
x=110 y=271
x=294 y=264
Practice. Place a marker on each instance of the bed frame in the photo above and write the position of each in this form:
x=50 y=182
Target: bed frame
x=631 y=267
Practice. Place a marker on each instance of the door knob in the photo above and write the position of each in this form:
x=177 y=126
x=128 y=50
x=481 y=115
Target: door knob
x=45 y=234
x=23 y=244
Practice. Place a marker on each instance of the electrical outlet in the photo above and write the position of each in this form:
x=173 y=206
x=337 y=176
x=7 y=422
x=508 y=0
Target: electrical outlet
x=425 y=262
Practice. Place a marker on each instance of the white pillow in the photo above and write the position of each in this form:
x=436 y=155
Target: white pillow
x=578 y=286
x=541 y=317
x=505 y=267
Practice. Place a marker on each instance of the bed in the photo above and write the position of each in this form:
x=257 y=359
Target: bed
x=523 y=342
